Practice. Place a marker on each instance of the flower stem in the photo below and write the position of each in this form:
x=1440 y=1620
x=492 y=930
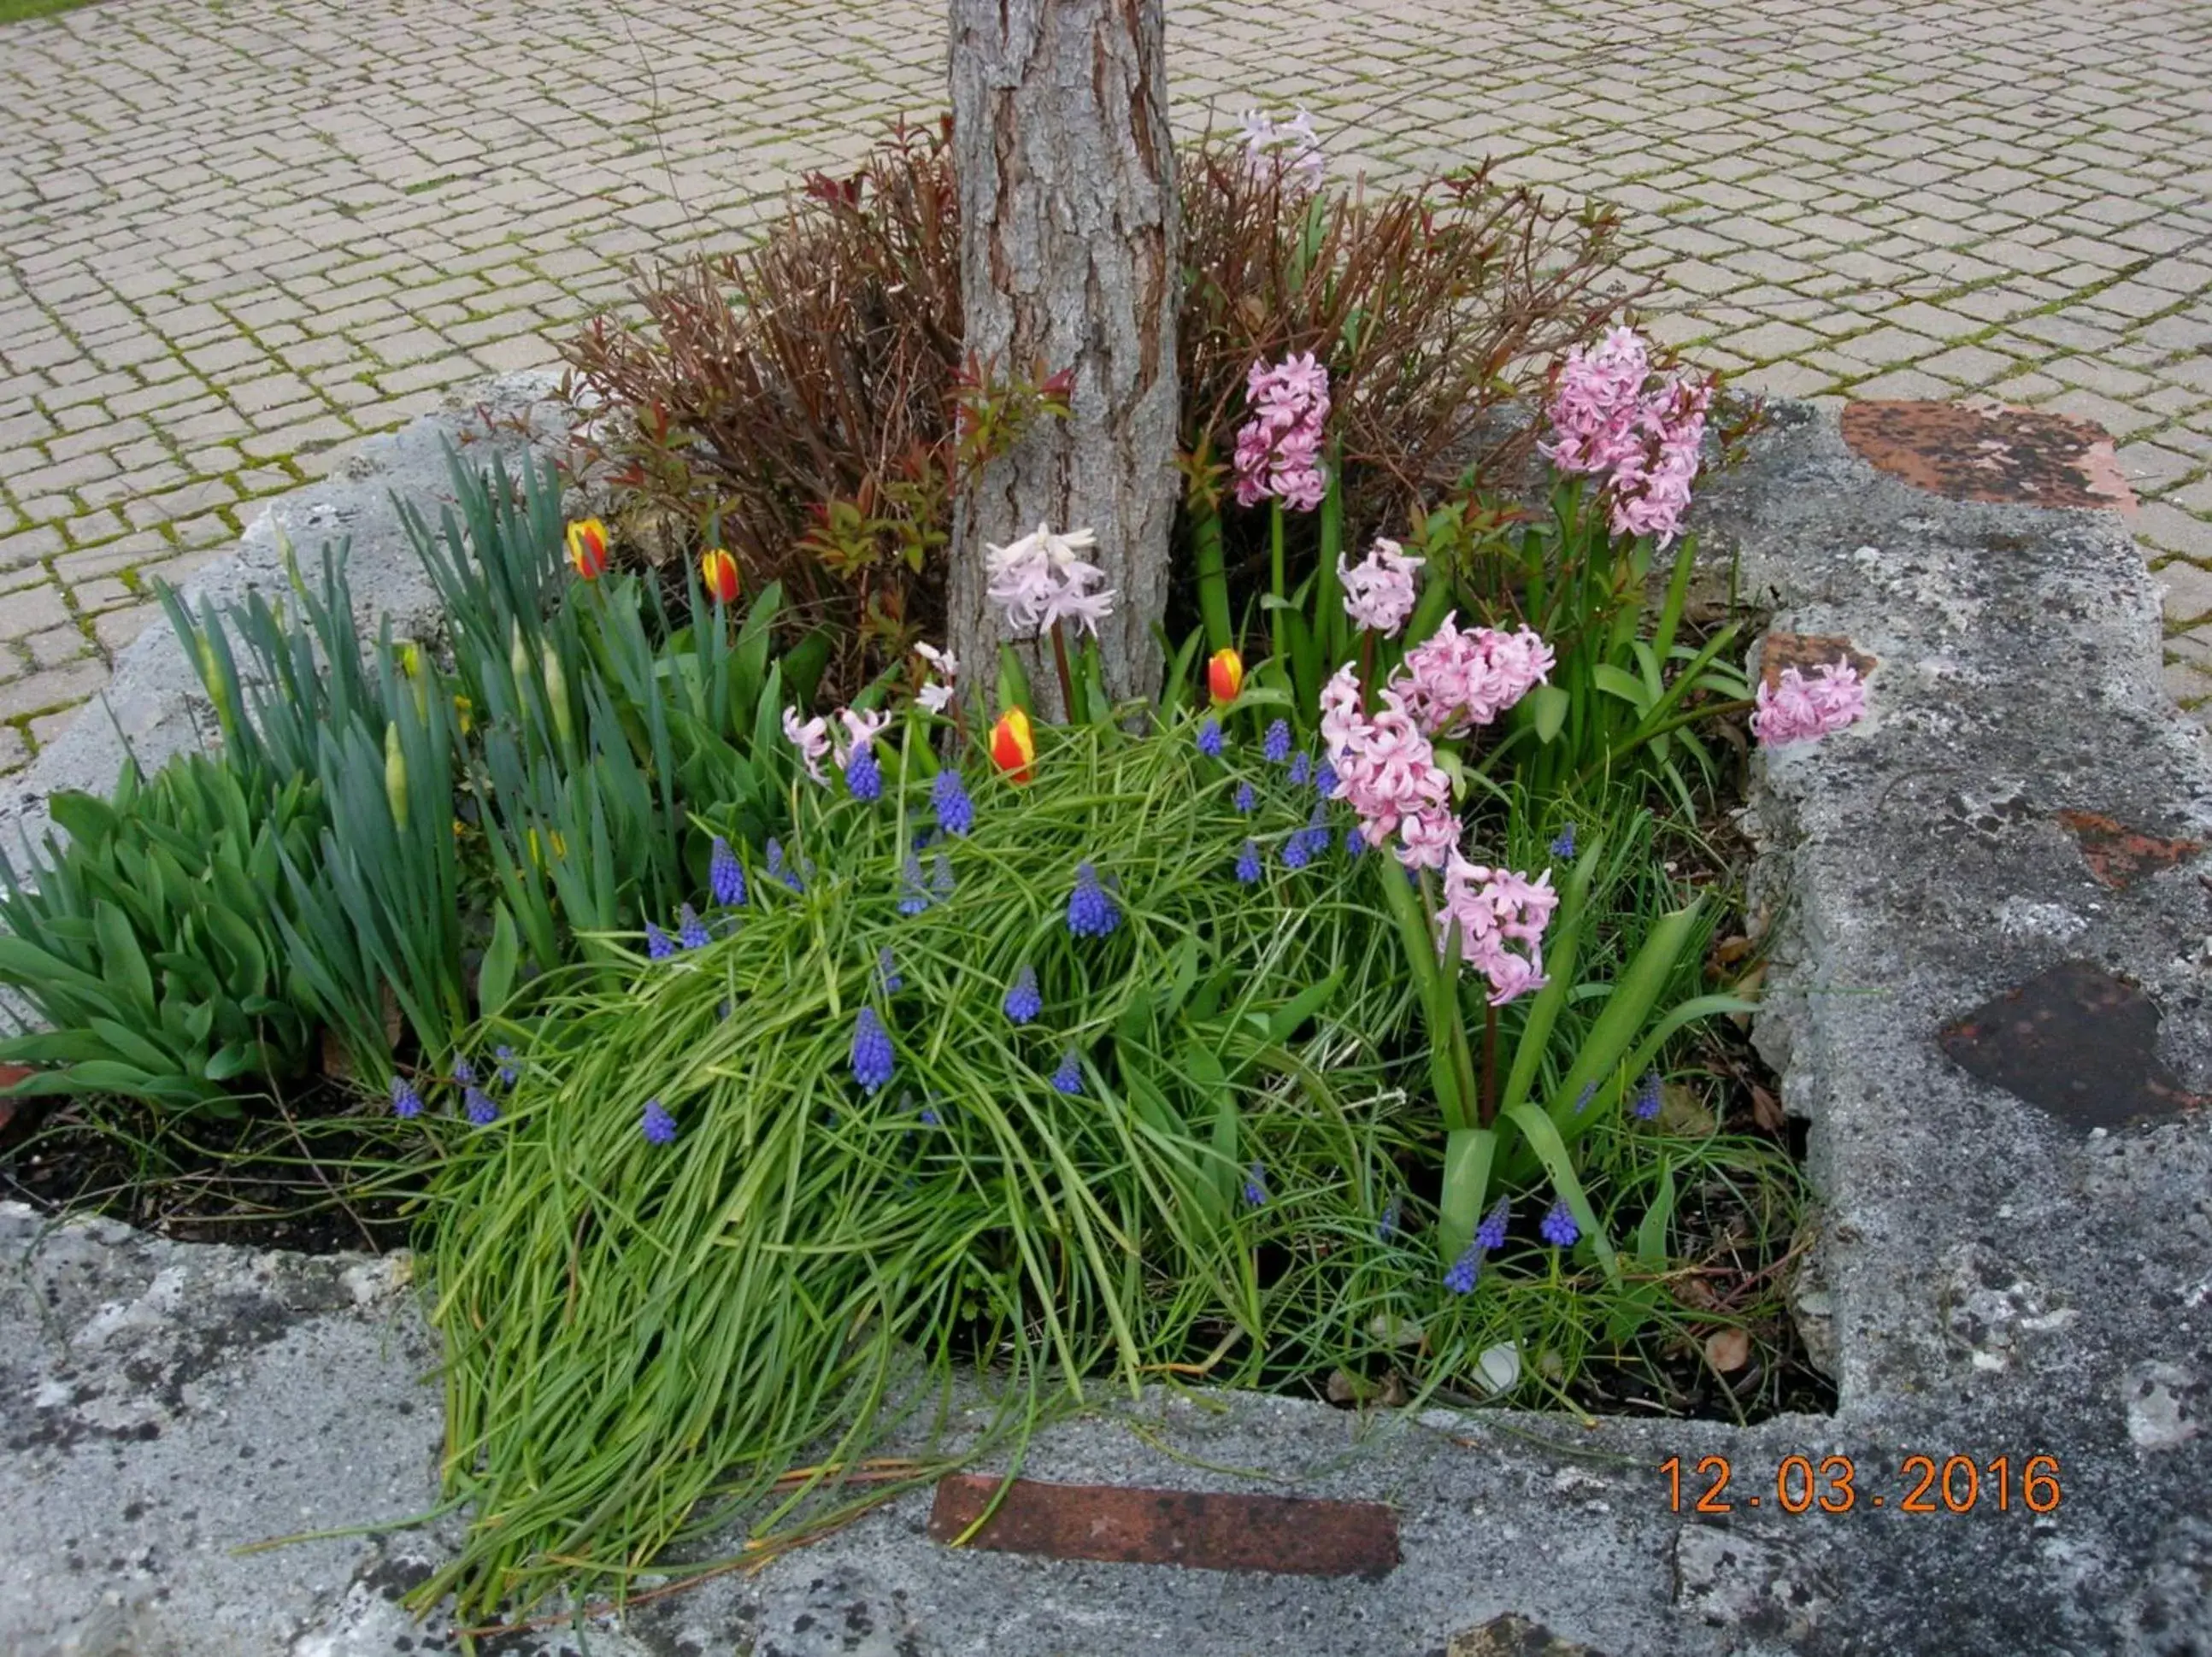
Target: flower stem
x=1067 y=709
x=1488 y=1108
x=1276 y=553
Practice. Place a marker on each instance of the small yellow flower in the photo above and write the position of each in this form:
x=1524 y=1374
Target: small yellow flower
x=395 y=775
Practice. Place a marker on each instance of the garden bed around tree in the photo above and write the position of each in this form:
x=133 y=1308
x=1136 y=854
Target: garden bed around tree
x=1984 y=999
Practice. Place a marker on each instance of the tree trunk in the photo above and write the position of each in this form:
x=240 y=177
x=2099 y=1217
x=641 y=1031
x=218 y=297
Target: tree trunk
x=1070 y=242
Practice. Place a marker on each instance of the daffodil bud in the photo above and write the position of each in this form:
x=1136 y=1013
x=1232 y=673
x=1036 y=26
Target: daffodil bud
x=557 y=694
x=518 y=654
x=395 y=774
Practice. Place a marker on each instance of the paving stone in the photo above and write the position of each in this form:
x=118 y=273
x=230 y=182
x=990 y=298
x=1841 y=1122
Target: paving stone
x=57 y=645
x=30 y=610
x=1819 y=195
x=59 y=688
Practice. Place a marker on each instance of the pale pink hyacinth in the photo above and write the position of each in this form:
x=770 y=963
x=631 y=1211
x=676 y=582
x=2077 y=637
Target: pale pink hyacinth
x=1457 y=680
x=1802 y=710
x=1342 y=711
x=1378 y=590
x=1495 y=908
x=812 y=739
x=860 y=730
x=1387 y=772
x=1643 y=440
x=1292 y=145
x=1042 y=579
x=1279 y=450
x=937 y=694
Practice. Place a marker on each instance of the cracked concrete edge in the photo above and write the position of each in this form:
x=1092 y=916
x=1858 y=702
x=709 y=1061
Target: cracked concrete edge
x=155 y=707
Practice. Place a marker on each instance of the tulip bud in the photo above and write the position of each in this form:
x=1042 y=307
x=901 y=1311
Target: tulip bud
x=557 y=694
x=395 y=774
x=719 y=572
x=588 y=548
x=1013 y=747
x=1225 y=675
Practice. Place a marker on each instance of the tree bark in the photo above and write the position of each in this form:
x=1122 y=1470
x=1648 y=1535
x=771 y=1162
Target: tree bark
x=1070 y=248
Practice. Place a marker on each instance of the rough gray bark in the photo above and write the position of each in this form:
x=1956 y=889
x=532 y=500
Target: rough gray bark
x=1071 y=238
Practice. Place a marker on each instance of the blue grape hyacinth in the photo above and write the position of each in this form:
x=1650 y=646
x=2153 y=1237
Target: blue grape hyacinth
x=482 y=1112
x=956 y=812
x=1276 y=744
x=1209 y=739
x=1023 y=1002
x=657 y=1125
x=508 y=1070
x=1558 y=1227
x=1325 y=779
x=1647 y=1097
x=1301 y=768
x=1068 y=1078
x=864 y=778
x=1491 y=1233
x=1244 y=797
x=887 y=971
x=690 y=931
x=941 y=878
x=1386 y=1226
x=464 y=1071
x=1460 y=1276
x=1247 y=862
x=913 y=897
x=1090 y=912
x=406 y=1103
x=1255 y=1185
x=779 y=869
x=1564 y=846
x=871 y=1051
x=725 y=876
x=656 y=944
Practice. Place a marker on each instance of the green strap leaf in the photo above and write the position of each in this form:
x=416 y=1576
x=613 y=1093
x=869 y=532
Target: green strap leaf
x=1551 y=1151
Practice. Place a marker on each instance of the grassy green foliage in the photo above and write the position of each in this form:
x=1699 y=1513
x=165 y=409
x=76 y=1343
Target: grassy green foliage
x=642 y=1337
x=154 y=946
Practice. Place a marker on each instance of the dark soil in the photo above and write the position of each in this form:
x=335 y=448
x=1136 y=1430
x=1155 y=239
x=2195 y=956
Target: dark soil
x=323 y=1179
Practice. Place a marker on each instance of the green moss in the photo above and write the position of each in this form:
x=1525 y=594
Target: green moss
x=17 y=11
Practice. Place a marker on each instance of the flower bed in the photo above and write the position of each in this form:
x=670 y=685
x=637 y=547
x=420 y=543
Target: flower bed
x=1330 y=1018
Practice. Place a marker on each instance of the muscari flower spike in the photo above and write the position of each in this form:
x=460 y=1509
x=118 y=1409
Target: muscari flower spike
x=656 y=942
x=691 y=931
x=1300 y=769
x=871 y=1051
x=1276 y=744
x=1354 y=841
x=1022 y=1002
x=1564 y=846
x=1386 y=1227
x=508 y=1070
x=1090 y=912
x=778 y=870
x=1296 y=852
x=1460 y=1276
x=406 y=1103
x=1647 y=1097
x=864 y=778
x=1325 y=779
x=1068 y=1078
x=1244 y=797
x=482 y=1112
x=725 y=876
x=1255 y=1185
x=657 y=1125
x=464 y=1071
x=887 y=970
x=1558 y=1227
x=913 y=897
x=941 y=879
x=1491 y=1233
x=1247 y=862
x=1209 y=739
x=956 y=812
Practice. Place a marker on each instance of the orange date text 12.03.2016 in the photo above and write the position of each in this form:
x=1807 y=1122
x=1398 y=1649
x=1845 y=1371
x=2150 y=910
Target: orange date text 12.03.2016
x=1838 y=1483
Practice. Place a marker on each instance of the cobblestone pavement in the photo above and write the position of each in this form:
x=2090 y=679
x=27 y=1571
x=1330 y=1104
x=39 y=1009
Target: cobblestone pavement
x=236 y=235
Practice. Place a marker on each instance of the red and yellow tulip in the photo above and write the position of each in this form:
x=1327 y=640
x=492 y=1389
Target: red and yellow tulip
x=588 y=548
x=1013 y=746
x=1225 y=675
x=719 y=572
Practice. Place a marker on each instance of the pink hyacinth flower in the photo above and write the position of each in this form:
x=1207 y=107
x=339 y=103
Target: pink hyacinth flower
x=1378 y=590
x=812 y=739
x=1800 y=710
